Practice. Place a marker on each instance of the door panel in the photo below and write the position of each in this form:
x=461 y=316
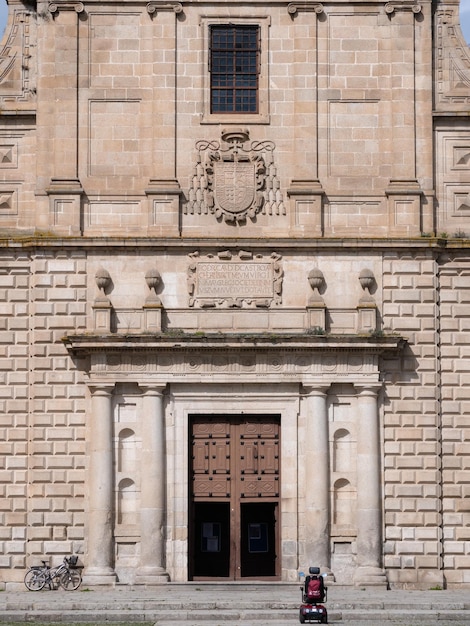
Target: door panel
x=234 y=482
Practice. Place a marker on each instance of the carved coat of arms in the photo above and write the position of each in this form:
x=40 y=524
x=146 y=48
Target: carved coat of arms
x=234 y=179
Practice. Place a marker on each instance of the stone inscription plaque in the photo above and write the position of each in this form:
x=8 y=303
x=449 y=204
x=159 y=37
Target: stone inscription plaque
x=234 y=280
x=226 y=280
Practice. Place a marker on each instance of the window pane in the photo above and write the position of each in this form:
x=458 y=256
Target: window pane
x=234 y=57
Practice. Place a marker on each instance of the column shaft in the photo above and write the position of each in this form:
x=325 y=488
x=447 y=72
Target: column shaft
x=101 y=493
x=317 y=505
x=369 y=516
x=152 y=513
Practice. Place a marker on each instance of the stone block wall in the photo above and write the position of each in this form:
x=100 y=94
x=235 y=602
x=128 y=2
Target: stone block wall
x=43 y=426
x=454 y=294
x=412 y=437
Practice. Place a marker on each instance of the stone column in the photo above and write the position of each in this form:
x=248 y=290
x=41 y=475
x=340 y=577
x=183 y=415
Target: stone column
x=369 y=508
x=153 y=480
x=317 y=499
x=100 y=558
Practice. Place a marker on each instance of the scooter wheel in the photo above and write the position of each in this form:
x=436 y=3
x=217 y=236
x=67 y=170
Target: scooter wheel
x=301 y=618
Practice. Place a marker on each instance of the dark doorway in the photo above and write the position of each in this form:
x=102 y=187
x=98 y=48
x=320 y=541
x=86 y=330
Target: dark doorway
x=234 y=497
x=211 y=539
x=258 y=554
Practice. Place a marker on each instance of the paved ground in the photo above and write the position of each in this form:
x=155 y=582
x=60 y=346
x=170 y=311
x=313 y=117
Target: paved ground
x=201 y=604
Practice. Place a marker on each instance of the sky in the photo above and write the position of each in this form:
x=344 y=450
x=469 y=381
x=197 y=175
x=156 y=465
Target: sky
x=464 y=17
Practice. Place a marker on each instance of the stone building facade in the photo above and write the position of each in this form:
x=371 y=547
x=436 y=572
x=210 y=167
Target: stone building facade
x=235 y=285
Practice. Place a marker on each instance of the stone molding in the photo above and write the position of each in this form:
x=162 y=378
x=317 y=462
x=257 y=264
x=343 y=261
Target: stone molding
x=157 y=364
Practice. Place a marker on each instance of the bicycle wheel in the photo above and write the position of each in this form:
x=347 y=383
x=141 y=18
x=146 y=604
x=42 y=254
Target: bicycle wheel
x=35 y=580
x=71 y=580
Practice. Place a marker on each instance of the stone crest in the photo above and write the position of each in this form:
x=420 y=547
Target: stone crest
x=240 y=280
x=235 y=179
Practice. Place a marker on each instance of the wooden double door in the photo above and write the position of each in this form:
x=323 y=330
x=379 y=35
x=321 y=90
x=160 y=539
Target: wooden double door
x=234 y=497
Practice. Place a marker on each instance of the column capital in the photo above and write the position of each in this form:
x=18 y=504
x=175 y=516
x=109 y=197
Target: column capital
x=368 y=390
x=152 y=390
x=317 y=390
x=102 y=390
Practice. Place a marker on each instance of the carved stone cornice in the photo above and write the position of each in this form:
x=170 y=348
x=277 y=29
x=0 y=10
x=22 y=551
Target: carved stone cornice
x=307 y=7
x=55 y=7
x=402 y=5
x=156 y=6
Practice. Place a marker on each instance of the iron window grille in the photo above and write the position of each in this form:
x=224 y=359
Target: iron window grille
x=234 y=69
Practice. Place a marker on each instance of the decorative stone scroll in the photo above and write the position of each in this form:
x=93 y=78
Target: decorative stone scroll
x=55 y=7
x=156 y=6
x=240 y=280
x=312 y=7
x=234 y=179
x=402 y=5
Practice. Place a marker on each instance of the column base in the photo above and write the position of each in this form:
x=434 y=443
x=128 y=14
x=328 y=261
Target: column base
x=370 y=577
x=152 y=579
x=96 y=576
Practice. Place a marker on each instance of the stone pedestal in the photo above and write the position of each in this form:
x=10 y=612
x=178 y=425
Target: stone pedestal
x=306 y=198
x=367 y=317
x=102 y=309
x=163 y=206
x=153 y=317
x=65 y=196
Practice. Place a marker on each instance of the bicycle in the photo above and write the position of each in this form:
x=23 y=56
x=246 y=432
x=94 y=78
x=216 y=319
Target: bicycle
x=64 y=575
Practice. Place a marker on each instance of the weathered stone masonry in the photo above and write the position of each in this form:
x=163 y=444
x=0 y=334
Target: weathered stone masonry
x=293 y=279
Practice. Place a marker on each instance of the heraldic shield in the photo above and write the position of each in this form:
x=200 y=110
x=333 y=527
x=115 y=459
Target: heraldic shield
x=235 y=179
x=234 y=186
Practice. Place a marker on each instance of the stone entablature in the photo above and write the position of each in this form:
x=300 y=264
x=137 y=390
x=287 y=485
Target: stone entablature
x=242 y=359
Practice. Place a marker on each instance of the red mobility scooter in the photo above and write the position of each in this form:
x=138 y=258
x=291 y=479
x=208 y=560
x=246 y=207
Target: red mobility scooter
x=314 y=594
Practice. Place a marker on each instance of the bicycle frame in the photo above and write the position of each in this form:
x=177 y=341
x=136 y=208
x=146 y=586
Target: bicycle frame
x=64 y=575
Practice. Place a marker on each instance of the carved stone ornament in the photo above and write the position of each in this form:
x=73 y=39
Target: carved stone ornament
x=235 y=179
x=237 y=280
x=452 y=59
x=402 y=5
